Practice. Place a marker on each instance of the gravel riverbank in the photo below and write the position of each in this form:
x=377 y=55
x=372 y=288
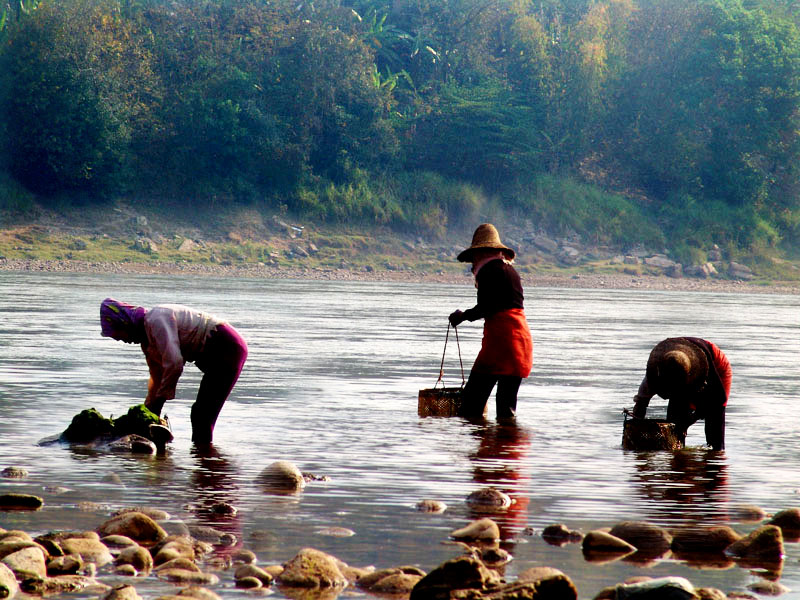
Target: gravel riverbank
x=565 y=280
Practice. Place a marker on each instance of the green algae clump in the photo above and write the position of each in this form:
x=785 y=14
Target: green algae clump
x=88 y=425
x=137 y=420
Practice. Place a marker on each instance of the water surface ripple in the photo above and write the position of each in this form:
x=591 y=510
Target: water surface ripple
x=331 y=384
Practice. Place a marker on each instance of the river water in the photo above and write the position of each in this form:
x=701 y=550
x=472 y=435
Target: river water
x=331 y=385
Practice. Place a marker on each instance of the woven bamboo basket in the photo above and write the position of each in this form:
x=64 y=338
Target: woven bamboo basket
x=441 y=401
x=650 y=434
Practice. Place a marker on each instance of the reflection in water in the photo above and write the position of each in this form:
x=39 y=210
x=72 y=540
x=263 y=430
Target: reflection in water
x=497 y=462
x=215 y=490
x=688 y=487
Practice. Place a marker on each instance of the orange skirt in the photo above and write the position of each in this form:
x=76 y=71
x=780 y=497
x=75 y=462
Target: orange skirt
x=507 y=347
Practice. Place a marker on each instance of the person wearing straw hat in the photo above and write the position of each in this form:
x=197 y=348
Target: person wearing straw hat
x=171 y=335
x=694 y=375
x=506 y=354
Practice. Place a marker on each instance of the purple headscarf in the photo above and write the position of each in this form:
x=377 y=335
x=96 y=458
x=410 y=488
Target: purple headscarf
x=118 y=316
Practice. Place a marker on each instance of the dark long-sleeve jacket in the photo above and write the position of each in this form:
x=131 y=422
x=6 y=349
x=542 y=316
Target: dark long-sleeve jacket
x=499 y=288
x=711 y=396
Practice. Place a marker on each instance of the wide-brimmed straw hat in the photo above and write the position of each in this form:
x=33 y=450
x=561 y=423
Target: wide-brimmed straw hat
x=486 y=236
x=676 y=365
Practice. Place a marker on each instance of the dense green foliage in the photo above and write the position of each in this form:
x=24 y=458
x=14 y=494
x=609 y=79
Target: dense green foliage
x=627 y=121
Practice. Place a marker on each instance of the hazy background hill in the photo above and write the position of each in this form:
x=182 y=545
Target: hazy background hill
x=662 y=125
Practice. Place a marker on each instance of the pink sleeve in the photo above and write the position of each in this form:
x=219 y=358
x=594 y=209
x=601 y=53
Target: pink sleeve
x=164 y=349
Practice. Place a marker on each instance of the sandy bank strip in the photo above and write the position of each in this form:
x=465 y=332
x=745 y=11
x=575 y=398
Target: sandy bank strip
x=585 y=280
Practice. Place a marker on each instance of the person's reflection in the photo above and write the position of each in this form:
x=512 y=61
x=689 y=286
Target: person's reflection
x=214 y=487
x=498 y=462
x=688 y=486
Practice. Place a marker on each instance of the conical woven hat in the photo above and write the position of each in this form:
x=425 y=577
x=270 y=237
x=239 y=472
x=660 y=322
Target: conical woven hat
x=486 y=236
x=676 y=365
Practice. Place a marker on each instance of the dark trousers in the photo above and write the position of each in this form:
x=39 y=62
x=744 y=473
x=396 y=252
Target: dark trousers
x=221 y=363
x=478 y=389
x=680 y=414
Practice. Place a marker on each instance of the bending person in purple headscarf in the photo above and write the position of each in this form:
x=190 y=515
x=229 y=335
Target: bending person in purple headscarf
x=170 y=336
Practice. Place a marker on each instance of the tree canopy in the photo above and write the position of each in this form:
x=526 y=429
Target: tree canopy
x=357 y=109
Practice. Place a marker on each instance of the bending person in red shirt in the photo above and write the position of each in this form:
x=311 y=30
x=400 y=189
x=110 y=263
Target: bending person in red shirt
x=506 y=355
x=171 y=335
x=695 y=376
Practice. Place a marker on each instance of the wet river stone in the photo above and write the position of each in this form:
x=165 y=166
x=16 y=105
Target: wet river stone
x=482 y=530
x=186 y=576
x=20 y=502
x=789 y=522
x=489 y=499
x=253 y=571
x=90 y=550
x=135 y=525
x=14 y=473
x=600 y=546
x=28 y=562
x=431 y=506
x=8 y=582
x=648 y=538
x=70 y=564
x=282 y=476
x=703 y=539
x=311 y=568
x=462 y=573
x=122 y=592
x=764 y=544
x=136 y=556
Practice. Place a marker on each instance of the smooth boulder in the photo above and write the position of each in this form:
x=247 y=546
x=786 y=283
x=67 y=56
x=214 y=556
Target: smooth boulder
x=282 y=477
x=311 y=568
x=134 y=525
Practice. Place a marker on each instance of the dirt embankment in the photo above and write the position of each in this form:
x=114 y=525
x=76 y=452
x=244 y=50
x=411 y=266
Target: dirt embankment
x=247 y=243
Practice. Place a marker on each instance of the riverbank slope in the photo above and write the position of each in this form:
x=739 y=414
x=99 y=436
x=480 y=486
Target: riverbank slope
x=248 y=243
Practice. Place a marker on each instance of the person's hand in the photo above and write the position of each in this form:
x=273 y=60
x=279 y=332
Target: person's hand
x=456 y=318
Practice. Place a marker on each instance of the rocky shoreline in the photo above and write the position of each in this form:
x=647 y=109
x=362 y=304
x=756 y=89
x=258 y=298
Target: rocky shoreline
x=261 y=271
x=135 y=543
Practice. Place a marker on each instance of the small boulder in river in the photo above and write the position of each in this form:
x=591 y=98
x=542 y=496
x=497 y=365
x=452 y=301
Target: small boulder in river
x=789 y=522
x=764 y=545
x=710 y=540
x=601 y=546
x=282 y=477
x=484 y=530
x=312 y=568
x=649 y=539
x=14 y=473
x=20 y=502
x=136 y=526
x=489 y=499
x=455 y=575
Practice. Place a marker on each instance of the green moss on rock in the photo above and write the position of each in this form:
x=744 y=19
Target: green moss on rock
x=88 y=425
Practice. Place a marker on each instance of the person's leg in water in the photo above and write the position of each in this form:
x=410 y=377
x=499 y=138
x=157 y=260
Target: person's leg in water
x=507 y=388
x=679 y=413
x=476 y=393
x=715 y=428
x=222 y=361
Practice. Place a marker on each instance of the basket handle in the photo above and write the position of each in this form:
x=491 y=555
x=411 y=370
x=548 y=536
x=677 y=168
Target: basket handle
x=461 y=362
